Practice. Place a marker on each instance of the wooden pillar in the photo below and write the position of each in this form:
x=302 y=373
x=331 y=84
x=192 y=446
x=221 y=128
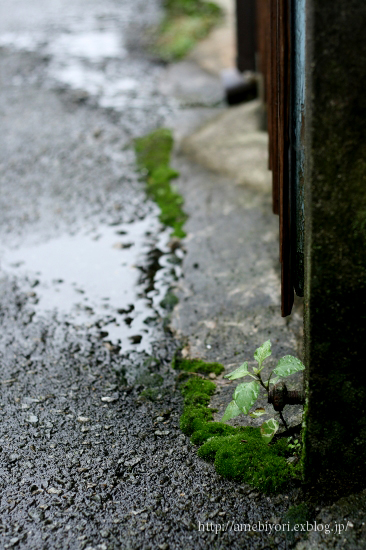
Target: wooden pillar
x=335 y=247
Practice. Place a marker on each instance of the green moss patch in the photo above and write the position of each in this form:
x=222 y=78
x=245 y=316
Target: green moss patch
x=186 y=22
x=197 y=365
x=151 y=394
x=150 y=379
x=194 y=418
x=212 y=429
x=153 y=157
x=192 y=7
x=169 y=301
x=152 y=383
x=198 y=385
x=238 y=454
x=198 y=392
x=246 y=458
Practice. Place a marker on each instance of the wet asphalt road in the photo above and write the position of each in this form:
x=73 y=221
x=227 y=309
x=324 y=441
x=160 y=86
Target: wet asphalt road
x=86 y=461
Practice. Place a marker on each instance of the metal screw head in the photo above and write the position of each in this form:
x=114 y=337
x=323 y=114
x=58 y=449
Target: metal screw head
x=277 y=396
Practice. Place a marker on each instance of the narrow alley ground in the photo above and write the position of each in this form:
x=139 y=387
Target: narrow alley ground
x=87 y=462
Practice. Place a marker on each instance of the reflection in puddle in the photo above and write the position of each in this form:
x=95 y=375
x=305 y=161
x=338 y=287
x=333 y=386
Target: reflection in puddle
x=90 y=45
x=76 y=75
x=96 y=62
x=21 y=41
x=94 y=279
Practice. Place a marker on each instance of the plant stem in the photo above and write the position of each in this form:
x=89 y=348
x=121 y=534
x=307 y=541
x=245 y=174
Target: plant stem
x=261 y=382
x=283 y=420
x=268 y=381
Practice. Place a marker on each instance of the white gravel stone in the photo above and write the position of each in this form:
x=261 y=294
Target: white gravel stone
x=83 y=419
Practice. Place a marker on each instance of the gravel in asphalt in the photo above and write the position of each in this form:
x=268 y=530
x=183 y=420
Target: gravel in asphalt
x=86 y=460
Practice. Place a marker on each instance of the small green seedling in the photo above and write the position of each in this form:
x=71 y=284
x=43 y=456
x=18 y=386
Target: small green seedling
x=247 y=393
x=294 y=445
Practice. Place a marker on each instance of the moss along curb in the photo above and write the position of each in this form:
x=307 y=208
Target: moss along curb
x=238 y=453
x=153 y=153
x=185 y=23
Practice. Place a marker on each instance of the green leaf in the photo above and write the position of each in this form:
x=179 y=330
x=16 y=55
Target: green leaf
x=263 y=352
x=272 y=380
x=269 y=428
x=239 y=372
x=232 y=410
x=288 y=365
x=258 y=412
x=246 y=395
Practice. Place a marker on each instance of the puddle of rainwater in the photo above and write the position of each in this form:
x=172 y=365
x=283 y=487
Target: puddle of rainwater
x=94 y=279
x=98 y=270
x=97 y=62
x=113 y=93
x=91 y=45
x=21 y=41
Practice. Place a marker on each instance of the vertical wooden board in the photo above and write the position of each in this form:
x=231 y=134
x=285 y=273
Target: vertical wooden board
x=246 y=35
x=266 y=32
x=298 y=23
x=274 y=108
x=267 y=69
x=283 y=51
x=274 y=20
x=260 y=36
x=280 y=114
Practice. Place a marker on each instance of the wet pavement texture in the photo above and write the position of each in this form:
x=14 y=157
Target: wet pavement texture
x=229 y=298
x=86 y=461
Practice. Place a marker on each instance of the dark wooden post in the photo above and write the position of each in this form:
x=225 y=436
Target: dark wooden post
x=335 y=246
x=246 y=34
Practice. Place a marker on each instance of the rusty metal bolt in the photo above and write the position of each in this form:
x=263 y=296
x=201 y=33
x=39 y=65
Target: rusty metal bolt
x=279 y=396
